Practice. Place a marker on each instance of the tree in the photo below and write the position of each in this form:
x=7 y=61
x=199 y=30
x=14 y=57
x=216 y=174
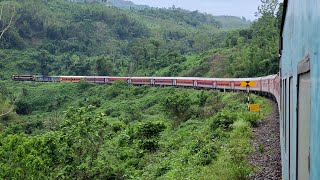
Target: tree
x=177 y=105
x=279 y=15
x=7 y=13
x=267 y=7
x=84 y=134
x=102 y=67
x=148 y=135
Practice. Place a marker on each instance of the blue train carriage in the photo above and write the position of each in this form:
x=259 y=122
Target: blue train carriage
x=300 y=90
x=41 y=78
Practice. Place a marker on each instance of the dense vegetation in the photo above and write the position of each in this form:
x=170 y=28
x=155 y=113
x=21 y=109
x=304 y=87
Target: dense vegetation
x=83 y=131
x=123 y=4
x=58 y=37
x=124 y=132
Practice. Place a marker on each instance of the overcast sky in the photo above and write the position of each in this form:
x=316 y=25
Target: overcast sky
x=240 y=8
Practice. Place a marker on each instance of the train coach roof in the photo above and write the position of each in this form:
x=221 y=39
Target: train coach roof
x=72 y=76
x=179 y=78
x=208 y=79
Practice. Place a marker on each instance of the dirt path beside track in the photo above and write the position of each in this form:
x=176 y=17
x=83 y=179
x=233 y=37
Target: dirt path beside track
x=266 y=142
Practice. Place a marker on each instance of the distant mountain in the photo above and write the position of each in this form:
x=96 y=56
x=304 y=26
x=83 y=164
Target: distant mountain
x=123 y=4
x=233 y=22
x=227 y=22
x=126 y=4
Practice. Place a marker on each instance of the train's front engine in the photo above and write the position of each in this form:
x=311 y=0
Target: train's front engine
x=23 y=77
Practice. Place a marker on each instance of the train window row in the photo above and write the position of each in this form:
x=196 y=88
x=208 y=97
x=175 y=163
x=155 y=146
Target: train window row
x=301 y=135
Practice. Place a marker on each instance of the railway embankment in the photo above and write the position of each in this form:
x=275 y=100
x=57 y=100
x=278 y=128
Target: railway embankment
x=266 y=142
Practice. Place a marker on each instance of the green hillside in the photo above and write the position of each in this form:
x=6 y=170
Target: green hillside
x=232 y=22
x=61 y=37
x=87 y=131
x=122 y=4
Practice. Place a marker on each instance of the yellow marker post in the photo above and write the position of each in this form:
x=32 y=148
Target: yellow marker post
x=248 y=83
x=254 y=108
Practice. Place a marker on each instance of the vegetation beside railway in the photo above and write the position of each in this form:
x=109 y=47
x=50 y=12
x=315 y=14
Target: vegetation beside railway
x=62 y=131
x=122 y=132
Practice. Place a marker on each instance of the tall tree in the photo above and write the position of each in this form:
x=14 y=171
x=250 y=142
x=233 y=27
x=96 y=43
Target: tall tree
x=267 y=7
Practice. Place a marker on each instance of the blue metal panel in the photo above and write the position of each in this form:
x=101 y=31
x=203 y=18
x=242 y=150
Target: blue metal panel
x=301 y=37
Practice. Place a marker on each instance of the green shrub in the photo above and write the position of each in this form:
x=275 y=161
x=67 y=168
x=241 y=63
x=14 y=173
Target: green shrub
x=223 y=119
x=149 y=144
x=252 y=118
x=117 y=126
x=84 y=85
x=177 y=105
x=207 y=154
x=95 y=102
x=150 y=130
x=23 y=108
x=148 y=134
x=202 y=98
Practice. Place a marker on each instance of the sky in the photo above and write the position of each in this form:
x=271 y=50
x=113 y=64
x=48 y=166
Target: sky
x=239 y=8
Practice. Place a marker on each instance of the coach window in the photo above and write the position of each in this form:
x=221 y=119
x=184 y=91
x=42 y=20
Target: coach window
x=283 y=110
x=303 y=114
x=285 y=115
x=290 y=121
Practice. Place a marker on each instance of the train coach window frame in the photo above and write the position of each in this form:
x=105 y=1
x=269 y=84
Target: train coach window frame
x=290 y=122
x=303 y=74
x=285 y=116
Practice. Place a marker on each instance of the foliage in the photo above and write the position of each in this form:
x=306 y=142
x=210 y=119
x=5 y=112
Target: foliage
x=193 y=18
x=64 y=38
x=223 y=119
x=83 y=143
x=84 y=131
x=177 y=105
x=150 y=130
x=59 y=37
x=251 y=52
x=202 y=98
x=23 y=108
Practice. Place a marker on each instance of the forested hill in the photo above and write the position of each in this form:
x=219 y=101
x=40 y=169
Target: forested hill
x=61 y=37
x=228 y=22
x=84 y=131
x=123 y=4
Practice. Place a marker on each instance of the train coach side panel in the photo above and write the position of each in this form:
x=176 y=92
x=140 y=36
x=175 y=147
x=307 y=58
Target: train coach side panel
x=141 y=81
x=185 y=82
x=206 y=83
x=166 y=82
x=301 y=44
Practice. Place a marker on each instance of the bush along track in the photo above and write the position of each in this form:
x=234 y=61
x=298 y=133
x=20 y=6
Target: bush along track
x=125 y=132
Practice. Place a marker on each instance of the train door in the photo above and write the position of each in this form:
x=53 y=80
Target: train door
x=303 y=114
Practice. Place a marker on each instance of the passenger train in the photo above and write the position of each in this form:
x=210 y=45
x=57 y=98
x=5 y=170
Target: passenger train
x=268 y=84
x=296 y=88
